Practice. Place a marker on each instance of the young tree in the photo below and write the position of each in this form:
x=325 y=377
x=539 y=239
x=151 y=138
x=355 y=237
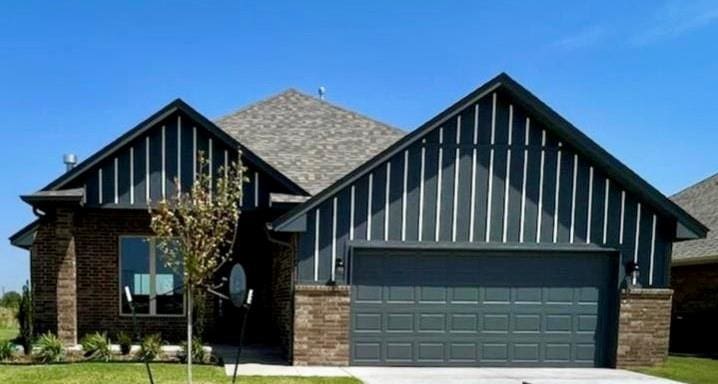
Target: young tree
x=196 y=230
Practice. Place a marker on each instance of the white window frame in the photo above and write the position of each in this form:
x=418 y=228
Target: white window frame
x=153 y=275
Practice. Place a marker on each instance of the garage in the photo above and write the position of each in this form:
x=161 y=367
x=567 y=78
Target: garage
x=482 y=308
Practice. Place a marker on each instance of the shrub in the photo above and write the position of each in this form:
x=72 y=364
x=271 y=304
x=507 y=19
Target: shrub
x=125 y=342
x=198 y=353
x=97 y=346
x=49 y=349
x=25 y=319
x=7 y=317
x=151 y=347
x=7 y=350
x=10 y=299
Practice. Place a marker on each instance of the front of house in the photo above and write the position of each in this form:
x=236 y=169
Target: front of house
x=496 y=234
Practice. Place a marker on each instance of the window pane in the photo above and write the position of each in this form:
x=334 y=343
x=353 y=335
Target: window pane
x=168 y=285
x=135 y=273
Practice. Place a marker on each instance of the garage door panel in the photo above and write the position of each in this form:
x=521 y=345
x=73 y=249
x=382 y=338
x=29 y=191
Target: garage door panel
x=439 y=309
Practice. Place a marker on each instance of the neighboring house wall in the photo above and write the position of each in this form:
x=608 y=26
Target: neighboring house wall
x=695 y=308
x=489 y=173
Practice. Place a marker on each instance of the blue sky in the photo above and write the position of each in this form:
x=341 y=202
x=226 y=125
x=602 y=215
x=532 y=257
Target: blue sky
x=639 y=78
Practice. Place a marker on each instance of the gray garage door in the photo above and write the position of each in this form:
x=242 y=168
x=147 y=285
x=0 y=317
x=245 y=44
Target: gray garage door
x=452 y=308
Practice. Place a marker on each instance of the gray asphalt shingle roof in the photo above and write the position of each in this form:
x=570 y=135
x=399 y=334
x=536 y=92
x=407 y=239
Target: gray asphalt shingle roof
x=311 y=141
x=701 y=201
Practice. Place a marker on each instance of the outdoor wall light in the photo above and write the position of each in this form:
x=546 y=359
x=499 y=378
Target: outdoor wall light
x=632 y=275
x=338 y=270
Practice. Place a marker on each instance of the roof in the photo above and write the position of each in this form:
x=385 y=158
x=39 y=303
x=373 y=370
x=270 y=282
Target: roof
x=701 y=201
x=309 y=140
x=73 y=195
x=560 y=126
x=25 y=236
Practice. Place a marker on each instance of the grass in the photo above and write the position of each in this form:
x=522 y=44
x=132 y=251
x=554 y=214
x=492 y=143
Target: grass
x=691 y=370
x=8 y=333
x=134 y=373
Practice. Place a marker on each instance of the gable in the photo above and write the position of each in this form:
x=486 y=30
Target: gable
x=489 y=170
x=161 y=157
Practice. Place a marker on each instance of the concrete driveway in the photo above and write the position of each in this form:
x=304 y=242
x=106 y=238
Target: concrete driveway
x=383 y=375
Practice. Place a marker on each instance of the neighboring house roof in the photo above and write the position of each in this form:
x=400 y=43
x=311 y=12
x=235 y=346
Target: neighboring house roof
x=687 y=228
x=701 y=201
x=309 y=140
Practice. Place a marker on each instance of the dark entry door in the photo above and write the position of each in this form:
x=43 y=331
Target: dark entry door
x=451 y=308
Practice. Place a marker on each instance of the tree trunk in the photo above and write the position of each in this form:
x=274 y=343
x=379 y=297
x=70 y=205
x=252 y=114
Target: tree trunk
x=189 y=336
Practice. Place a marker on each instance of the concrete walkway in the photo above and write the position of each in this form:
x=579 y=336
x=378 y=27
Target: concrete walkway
x=391 y=375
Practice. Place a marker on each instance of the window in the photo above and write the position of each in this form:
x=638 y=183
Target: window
x=156 y=289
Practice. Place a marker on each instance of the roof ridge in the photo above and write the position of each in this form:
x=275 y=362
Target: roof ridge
x=694 y=185
x=292 y=90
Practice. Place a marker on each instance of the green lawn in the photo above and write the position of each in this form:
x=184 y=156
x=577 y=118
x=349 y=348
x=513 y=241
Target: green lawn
x=131 y=373
x=7 y=333
x=690 y=370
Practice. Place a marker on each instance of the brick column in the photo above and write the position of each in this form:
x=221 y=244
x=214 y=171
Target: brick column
x=643 y=327
x=321 y=325
x=53 y=269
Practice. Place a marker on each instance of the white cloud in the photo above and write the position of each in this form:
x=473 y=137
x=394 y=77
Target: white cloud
x=583 y=38
x=676 y=18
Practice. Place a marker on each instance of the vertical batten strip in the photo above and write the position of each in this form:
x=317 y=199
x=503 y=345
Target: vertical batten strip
x=332 y=267
x=653 y=250
x=590 y=204
x=386 y=201
x=132 y=175
x=403 y=195
x=573 y=198
x=623 y=217
x=351 y=213
x=438 y=184
x=539 y=215
x=256 y=189
x=505 y=222
x=556 y=196
x=99 y=186
x=472 y=203
x=194 y=153
x=316 y=245
x=116 y=179
x=421 y=191
x=456 y=179
x=210 y=160
x=638 y=234
x=491 y=169
x=226 y=164
x=605 y=210
x=164 y=169
x=179 y=156
x=523 y=179
x=147 y=169
x=368 y=206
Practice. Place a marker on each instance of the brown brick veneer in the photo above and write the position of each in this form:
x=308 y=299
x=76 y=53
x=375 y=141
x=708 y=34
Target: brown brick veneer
x=644 y=327
x=321 y=325
x=283 y=257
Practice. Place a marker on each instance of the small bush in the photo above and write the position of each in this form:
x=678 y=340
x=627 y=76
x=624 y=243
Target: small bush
x=125 y=342
x=49 y=349
x=97 y=347
x=151 y=347
x=198 y=353
x=7 y=317
x=25 y=319
x=7 y=350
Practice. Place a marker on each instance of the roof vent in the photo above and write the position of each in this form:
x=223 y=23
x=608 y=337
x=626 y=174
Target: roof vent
x=70 y=160
x=322 y=91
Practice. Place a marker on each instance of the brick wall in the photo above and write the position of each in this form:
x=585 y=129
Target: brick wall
x=53 y=270
x=695 y=309
x=321 y=325
x=98 y=288
x=643 y=327
x=282 y=299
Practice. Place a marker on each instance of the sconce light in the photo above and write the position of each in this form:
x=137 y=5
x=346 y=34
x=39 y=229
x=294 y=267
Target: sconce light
x=632 y=275
x=338 y=270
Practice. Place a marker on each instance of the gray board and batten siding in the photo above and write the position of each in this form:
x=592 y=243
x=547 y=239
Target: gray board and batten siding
x=490 y=173
x=146 y=166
